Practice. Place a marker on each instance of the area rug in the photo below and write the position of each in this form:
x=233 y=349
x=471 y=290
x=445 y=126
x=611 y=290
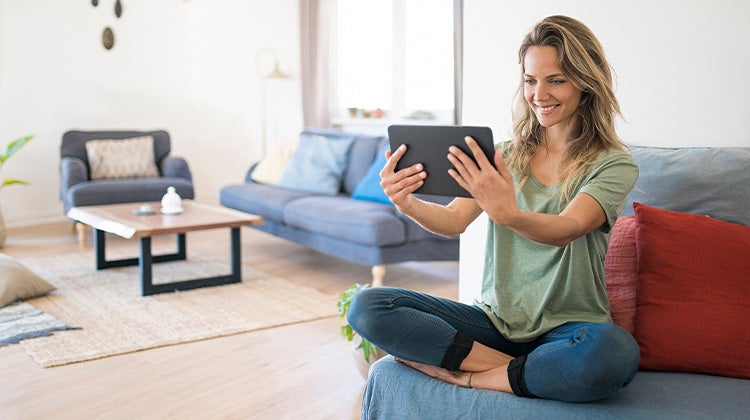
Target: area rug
x=19 y=321
x=115 y=319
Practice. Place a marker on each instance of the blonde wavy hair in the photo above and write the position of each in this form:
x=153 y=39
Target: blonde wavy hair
x=582 y=61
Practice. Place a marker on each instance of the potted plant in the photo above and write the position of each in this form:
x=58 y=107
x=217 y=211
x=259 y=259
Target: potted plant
x=370 y=352
x=11 y=149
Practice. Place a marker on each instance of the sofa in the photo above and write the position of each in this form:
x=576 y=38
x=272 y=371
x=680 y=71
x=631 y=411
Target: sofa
x=677 y=280
x=324 y=193
x=80 y=185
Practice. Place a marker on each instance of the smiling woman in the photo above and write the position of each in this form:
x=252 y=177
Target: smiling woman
x=548 y=92
x=542 y=327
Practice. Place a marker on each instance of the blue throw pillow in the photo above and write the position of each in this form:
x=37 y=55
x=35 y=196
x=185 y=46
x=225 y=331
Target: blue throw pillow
x=317 y=165
x=369 y=187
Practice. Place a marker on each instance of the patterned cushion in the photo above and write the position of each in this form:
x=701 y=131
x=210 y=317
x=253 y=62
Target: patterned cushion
x=621 y=272
x=126 y=158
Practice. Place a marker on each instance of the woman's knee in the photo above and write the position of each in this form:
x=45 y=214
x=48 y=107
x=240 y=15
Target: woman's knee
x=612 y=357
x=599 y=360
x=364 y=307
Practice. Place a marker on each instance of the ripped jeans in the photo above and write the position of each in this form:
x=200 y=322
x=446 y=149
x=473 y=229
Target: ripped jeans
x=577 y=361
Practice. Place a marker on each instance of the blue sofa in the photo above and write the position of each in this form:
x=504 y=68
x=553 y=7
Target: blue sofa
x=364 y=232
x=706 y=181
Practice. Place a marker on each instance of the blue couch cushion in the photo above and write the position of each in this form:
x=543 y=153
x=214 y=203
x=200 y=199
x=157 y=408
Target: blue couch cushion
x=361 y=153
x=369 y=188
x=690 y=179
x=264 y=200
x=396 y=391
x=361 y=157
x=318 y=164
x=114 y=191
x=358 y=221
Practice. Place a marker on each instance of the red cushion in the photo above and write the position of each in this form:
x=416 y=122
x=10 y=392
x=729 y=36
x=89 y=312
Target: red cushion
x=693 y=312
x=621 y=272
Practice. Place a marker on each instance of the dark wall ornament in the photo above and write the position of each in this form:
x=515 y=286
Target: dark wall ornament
x=108 y=38
x=118 y=9
x=94 y=3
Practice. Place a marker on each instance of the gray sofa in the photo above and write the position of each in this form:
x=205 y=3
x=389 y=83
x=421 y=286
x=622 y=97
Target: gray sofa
x=78 y=189
x=704 y=181
x=360 y=231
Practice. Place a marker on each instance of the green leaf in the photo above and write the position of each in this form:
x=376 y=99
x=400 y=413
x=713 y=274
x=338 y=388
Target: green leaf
x=13 y=147
x=368 y=349
x=13 y=182
x=346 y=298
x=346 y=330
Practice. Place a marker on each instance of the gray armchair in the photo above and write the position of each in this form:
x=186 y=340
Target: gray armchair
x=78 y=189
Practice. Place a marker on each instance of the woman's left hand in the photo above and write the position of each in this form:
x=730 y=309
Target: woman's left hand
x=492 y=187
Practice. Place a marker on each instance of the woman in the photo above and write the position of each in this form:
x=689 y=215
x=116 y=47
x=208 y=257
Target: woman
x=542 y=327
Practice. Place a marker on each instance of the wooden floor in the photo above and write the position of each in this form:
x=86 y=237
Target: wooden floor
x=301 y=371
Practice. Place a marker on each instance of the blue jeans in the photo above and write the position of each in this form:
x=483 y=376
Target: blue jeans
x=576 y=362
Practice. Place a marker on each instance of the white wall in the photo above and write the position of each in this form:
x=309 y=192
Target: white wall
x=681 y=76
x=190 y=67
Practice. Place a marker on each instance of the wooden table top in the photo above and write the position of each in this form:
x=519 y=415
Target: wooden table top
x=120 y=219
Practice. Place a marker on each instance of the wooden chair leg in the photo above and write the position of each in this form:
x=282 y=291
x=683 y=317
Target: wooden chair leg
x=378 y=274
x=81 y=229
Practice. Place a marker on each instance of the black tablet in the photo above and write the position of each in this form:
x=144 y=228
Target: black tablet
x=428 y=145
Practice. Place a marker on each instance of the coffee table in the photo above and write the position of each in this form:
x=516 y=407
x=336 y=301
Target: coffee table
x=119 y=219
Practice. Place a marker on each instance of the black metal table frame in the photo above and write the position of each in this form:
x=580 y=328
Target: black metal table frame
x=146 y=260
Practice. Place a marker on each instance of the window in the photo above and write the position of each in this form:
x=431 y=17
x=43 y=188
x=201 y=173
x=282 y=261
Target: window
x=396 y=56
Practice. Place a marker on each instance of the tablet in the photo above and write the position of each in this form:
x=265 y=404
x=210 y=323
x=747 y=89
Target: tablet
x=428 y=145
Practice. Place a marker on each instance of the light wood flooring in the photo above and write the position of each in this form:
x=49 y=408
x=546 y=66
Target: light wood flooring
x=301 y=371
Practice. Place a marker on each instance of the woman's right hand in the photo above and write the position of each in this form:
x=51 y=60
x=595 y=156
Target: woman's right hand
x=399 y=186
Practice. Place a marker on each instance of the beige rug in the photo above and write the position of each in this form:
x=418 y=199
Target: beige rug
x=116 y=319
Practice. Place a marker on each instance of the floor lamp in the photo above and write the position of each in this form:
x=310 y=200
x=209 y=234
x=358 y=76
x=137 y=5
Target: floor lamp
x=274 y=74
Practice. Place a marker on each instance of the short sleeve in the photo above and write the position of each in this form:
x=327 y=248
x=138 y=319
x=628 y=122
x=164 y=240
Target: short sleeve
x=610 y=181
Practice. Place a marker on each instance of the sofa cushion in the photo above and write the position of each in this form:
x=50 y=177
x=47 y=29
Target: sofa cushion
x=263 y=200
x=361 y=157
x=369 y=188
x=357 y=221
x=18 y=282
x=361 y=153
x=690 y=179
x=108 y=191
x=317 y=165
x=693 y=293
x=396 y=391
x=271 y=168
x=621 y=272
x=122 y=158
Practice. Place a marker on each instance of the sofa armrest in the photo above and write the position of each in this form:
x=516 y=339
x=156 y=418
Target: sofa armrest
x=249 y=173
x=175 y=167
x=72 y=171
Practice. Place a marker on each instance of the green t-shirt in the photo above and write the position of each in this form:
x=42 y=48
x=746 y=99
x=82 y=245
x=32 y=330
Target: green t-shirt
x=530 y=288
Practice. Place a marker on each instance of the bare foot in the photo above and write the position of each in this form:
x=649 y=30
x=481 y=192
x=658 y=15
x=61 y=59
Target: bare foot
x=455 y=378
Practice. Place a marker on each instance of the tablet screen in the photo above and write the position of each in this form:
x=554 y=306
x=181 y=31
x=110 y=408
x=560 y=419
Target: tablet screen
x=428 y=145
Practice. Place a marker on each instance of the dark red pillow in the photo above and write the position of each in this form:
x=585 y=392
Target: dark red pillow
x=621 y=272
x=693 y=300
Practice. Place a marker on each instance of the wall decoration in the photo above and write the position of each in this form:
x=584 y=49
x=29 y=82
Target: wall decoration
x=108 y=38
x=108 y=35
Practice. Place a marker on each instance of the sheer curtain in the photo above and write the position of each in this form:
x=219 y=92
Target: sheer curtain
x=458 y=60
x=317 y=21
